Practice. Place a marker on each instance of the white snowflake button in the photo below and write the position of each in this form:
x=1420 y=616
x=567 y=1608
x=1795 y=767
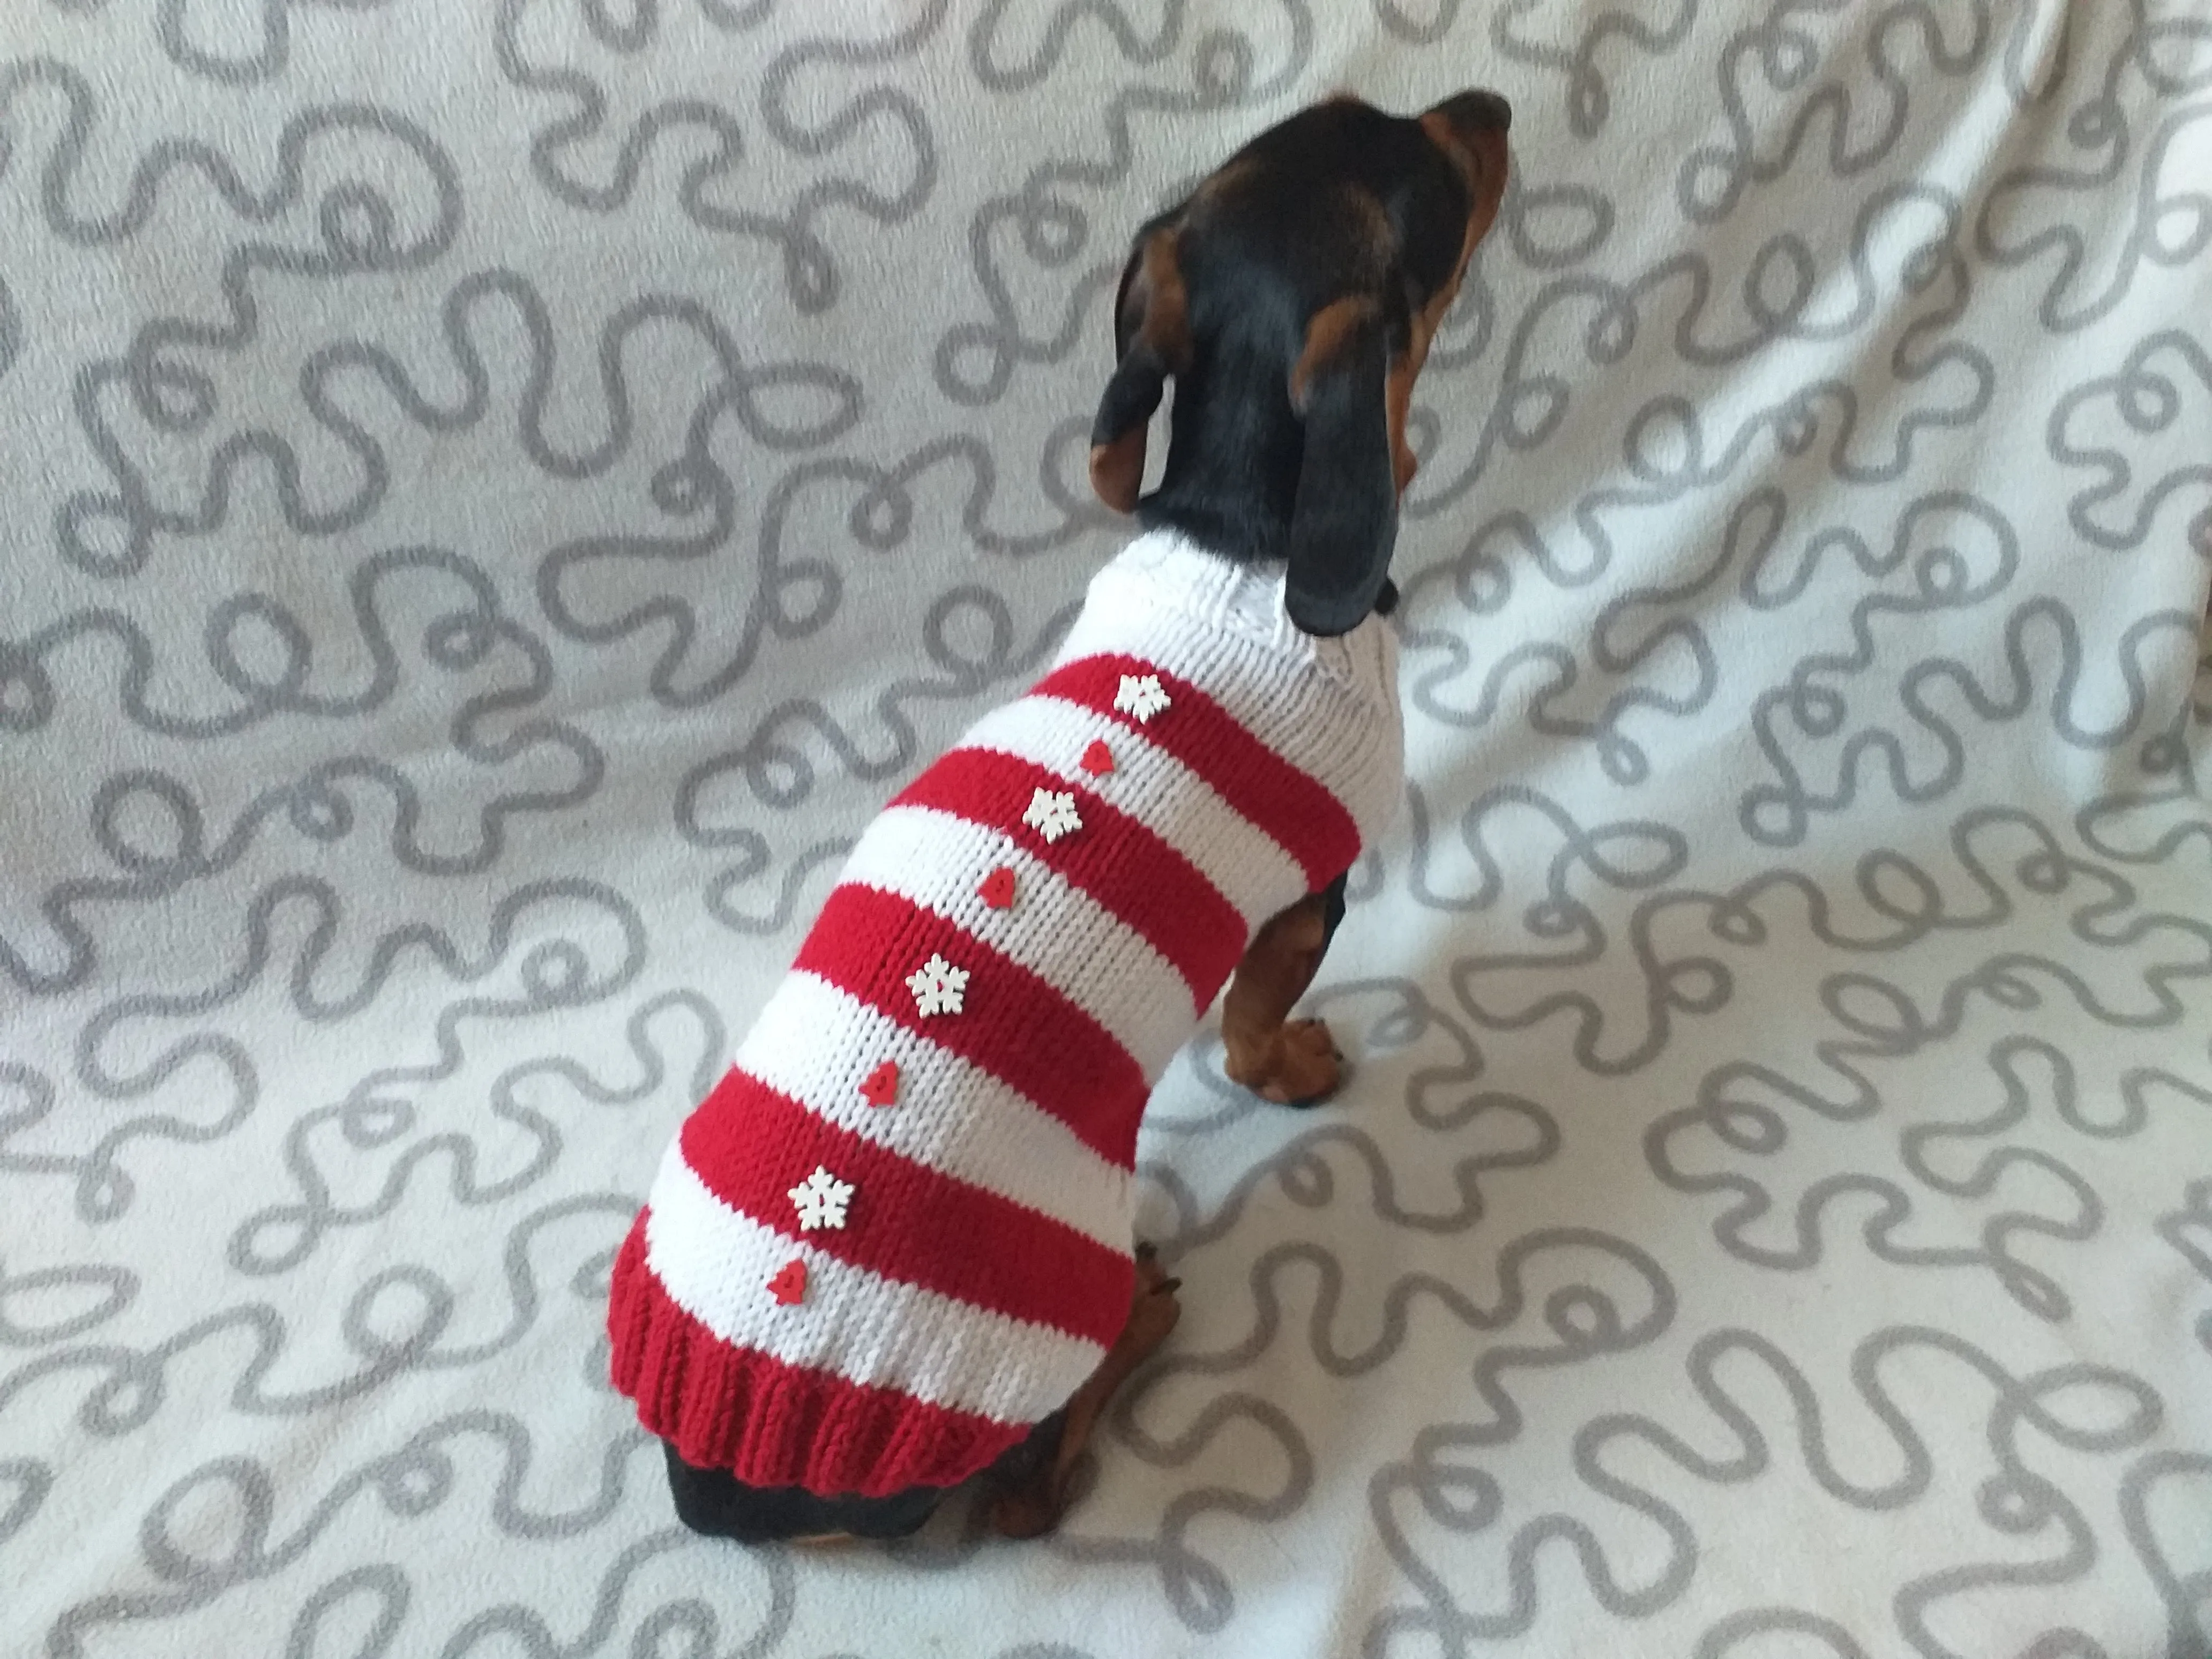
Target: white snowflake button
x=1140 y=696
x=821 y=1199
x=937 y=986
x=1052 y=813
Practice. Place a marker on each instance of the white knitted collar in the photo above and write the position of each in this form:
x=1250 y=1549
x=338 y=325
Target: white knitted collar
x=1233 y=596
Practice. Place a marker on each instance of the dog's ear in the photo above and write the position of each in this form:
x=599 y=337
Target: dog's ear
x=1151 y=341
x=1344 y=522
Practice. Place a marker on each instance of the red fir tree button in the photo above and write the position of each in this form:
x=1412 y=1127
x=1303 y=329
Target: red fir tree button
x=997 y=889
x=880 y=1086
x=788 y=1286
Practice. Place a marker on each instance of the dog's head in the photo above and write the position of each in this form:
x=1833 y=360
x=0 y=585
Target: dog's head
x=1292 y=298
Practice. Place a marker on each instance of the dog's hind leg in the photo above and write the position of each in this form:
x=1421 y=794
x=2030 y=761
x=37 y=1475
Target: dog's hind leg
x=1036 y=1479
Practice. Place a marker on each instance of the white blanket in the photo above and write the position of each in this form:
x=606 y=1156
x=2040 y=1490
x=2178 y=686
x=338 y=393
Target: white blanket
x=495 y=495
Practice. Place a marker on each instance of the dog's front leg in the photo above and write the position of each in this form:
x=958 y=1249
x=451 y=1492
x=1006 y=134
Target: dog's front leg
x=1293 y=1062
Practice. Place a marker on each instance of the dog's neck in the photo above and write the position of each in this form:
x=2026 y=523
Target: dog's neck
x=1231 y=477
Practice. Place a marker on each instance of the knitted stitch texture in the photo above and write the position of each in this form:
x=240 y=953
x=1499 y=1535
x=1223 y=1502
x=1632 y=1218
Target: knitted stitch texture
x=898 y=1232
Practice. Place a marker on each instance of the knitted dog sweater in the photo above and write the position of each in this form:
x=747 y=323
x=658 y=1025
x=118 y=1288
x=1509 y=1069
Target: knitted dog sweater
x=898 y=1232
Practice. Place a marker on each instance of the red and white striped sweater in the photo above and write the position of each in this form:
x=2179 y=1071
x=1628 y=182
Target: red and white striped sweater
x=898 y=1232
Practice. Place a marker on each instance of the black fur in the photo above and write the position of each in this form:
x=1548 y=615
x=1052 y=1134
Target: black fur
x=1257 y=261
x=1344 y=517
x=1248 y=476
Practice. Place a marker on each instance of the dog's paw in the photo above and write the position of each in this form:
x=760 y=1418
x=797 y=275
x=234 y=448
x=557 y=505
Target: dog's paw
x=1306 y=1066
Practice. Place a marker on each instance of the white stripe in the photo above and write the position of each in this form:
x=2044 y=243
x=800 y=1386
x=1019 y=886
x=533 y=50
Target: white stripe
x=1328 y=707
x=1242 y=863
x=715 y=1265
x=815 y=1043
x=1054 y=929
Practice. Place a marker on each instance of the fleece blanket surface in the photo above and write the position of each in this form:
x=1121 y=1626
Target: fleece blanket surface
x=497 y=494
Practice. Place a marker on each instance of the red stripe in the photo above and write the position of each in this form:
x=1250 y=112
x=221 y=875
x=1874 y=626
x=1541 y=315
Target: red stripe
x=1289 y=807
x=776 y=1425
x=1013 y=1023
x=1130 y=871
x=905 y=1221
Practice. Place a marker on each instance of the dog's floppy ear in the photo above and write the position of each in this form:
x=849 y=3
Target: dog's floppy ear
x=1344 y=519
x=1152 y=339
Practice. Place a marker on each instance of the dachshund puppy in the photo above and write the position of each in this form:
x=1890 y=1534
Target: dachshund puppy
x=1292 y=299
x=890 y=1250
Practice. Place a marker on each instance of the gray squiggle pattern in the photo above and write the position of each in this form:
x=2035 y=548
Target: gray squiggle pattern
x=496 y=494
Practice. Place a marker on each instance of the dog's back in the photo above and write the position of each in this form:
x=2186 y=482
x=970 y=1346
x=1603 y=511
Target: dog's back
x=959 y=1058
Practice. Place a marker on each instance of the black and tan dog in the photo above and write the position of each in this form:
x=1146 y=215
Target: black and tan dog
x=1290 y=299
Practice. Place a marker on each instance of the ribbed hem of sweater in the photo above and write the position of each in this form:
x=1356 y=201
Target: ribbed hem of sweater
x=774 y=1425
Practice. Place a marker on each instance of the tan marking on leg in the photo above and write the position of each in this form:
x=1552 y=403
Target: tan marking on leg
x=1276 y=1057
x=1034 y=1506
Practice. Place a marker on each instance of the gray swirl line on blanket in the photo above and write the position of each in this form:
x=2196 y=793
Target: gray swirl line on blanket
x=810 y=267
x=1582 y=1321
x=174 y=26
x=497 y=483
x=377 y=1117
x=554 y=973
x=1589 y=99
x=173 y=850
x=2186 y=1592
x=975 y=362
x=1449 y=1624
x=677 y=492
x=1729 y=1112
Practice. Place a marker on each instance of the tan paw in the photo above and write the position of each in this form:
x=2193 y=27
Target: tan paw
x=1306 y=1067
